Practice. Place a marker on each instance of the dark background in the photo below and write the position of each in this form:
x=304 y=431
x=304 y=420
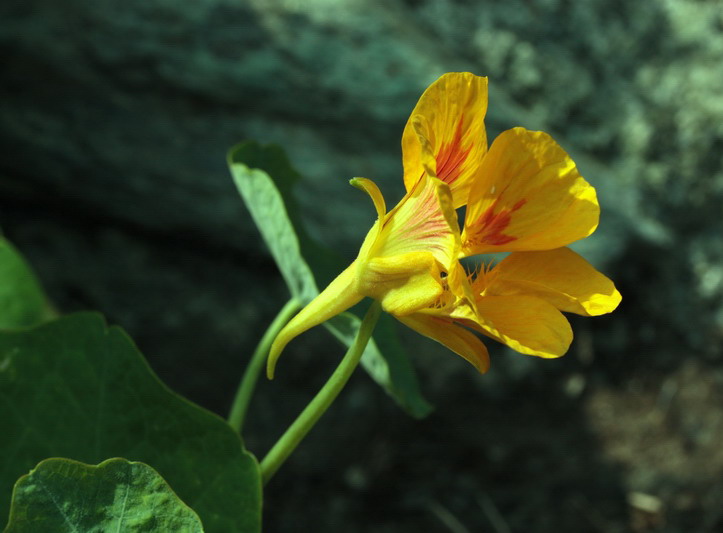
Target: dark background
x=115 y=118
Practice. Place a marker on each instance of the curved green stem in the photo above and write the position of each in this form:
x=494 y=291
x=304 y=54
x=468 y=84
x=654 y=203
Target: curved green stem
x=323 y=399
x=251 y=375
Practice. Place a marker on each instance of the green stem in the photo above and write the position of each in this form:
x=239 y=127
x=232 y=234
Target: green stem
x=251 y=375
x=323 y=399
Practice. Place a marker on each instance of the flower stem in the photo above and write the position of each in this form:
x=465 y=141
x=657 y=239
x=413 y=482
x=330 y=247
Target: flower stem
x=251 y=375
x=323 y=399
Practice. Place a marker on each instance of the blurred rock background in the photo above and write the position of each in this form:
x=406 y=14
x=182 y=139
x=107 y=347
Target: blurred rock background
x=115 y=118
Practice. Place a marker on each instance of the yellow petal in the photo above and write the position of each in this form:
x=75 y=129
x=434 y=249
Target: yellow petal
x=423 y=221
x=445 y=135
x=456 y=338
x=524 y=323
x=529 y=196
x=561 y=277
x=339 y=296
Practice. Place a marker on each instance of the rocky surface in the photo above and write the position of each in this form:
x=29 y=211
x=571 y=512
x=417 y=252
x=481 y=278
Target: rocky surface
x=115 y=118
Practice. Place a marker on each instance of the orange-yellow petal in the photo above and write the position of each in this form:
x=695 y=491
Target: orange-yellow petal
x=529 y=196
x=455 y=337
x=561 y=277
x=340 y=295
x=445 y=134
x=423 y=221
x=524 y=323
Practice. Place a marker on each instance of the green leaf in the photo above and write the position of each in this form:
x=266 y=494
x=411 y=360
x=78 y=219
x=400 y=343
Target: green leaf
x=61 y=495
x=22 y=301
x=267 y=208
x=265 y=179
x=76 y=388
x=392 y=371
x=324 y=262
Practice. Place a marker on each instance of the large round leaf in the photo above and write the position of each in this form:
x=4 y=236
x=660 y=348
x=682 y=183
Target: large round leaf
x=76 y=388
x=62 y=495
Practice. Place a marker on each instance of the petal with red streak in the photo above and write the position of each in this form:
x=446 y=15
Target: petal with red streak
x=529 y=196
x=445 y=134
x=423 y=221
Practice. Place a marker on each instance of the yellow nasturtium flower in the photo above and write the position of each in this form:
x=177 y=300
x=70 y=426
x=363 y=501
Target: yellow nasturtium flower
x=523 y=195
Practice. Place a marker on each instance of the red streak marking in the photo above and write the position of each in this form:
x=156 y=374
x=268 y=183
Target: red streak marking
x=451 y=156
x=423 y=220
x=490 y=225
